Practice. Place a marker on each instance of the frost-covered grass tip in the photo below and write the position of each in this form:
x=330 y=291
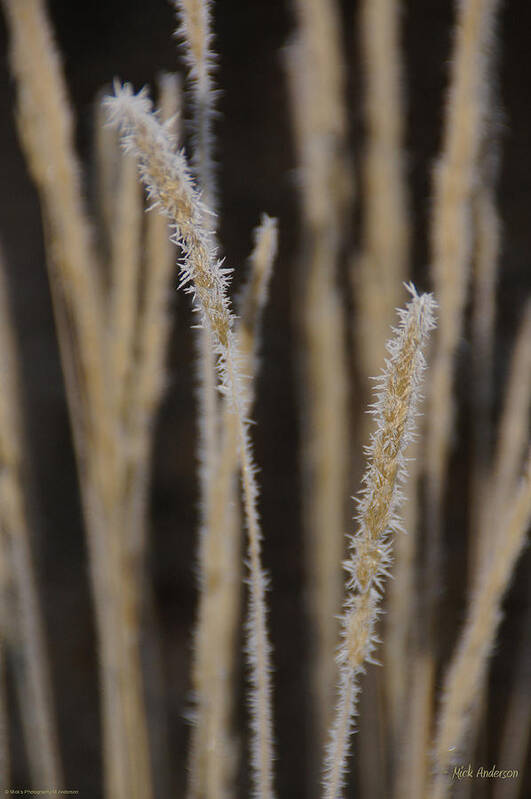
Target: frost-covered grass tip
x=166 y=175
x=395 y=408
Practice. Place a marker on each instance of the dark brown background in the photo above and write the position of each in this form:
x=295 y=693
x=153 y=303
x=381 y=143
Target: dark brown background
x=132 y=39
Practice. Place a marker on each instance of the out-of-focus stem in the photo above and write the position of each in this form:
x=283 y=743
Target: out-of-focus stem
x=316 y=82
x=25 y=641
x=465 y=674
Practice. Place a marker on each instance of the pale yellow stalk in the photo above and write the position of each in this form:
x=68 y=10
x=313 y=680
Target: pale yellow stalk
x=208 y=767
x=455 y=178
x=319 y=29
x=413 y=763
x=377 y=276
x=371 y=547
x=516 y=731
x=383 y=264
x=26 y=637
x=5 y=612
x=513 y=434
x=46 y=130
x=316 y=79
x=123 y=306
x=487 y=225
x=195 y=31
x=464 y=676
x=401 y=611
x=105 y=145
x=5 y=765
x=166 y=176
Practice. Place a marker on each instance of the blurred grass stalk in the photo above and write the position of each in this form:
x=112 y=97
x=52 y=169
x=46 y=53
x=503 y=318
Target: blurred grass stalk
x=316 y=78
x=452 y=235
x=98 y=343
x=22 y=636
x=464 y=676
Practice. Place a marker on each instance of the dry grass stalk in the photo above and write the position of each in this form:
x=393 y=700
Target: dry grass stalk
x=377 y=278
x=487 y=226
x=465 y=673
x=413 y=766
x=5 y=765
x=166 y=176
x=25 y=640
x=46 y=130
x=195 y=31
x=319 y=27
x=315 y=74
x=5 y=612
x=212 y=758
x=455 y=178
x=383 y=264
x=370 y=549
x=516 y=732
x=402 y=610
x=209 y=757
x=106 y=161
x=125 y=275
x=513 y=435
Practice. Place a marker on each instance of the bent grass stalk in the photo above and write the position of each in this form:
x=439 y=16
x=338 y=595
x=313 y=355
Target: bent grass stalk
x=167 y=178
x=369 y=560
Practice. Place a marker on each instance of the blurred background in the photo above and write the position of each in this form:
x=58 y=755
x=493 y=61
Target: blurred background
x=257 y=172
